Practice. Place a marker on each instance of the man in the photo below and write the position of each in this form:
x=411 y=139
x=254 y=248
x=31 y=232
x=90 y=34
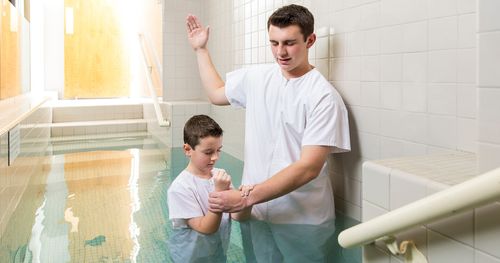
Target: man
x=294 y=120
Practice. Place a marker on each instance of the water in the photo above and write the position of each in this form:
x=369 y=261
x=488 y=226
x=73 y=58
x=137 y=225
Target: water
x=100 y=201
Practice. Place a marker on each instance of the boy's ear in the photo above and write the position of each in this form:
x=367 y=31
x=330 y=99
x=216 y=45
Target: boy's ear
x=310 y=40
x=187 y=149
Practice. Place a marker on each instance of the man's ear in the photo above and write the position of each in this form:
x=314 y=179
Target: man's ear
x=310 y=40
x=187 y=149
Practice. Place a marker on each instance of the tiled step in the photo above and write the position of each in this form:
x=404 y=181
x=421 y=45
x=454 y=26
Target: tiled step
x=98 y=127
x=96 y=110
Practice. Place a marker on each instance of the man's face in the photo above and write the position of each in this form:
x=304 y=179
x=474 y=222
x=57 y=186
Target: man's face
x=290 y=50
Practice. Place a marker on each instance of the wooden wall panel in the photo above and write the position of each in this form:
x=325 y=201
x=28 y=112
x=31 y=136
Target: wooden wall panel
x=96 y=61
x=10 y=56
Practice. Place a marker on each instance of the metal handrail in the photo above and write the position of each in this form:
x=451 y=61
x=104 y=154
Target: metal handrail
x=472 y=193
x=148 y=69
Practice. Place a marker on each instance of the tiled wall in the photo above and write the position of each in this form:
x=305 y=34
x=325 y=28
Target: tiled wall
x=488 y=84
x=468 y=237
x=180 y=78
x=34 y=139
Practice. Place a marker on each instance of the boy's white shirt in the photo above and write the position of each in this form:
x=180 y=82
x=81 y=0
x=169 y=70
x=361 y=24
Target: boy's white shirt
x=188 y=198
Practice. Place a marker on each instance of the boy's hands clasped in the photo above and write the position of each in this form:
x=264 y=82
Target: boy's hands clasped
x=222 y=181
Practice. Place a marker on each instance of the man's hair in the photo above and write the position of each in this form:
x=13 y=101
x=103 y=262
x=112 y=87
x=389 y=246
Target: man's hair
x=293 y=15
x=199 y=127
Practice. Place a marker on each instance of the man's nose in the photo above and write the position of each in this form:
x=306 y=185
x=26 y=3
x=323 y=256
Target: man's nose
x=281 y=50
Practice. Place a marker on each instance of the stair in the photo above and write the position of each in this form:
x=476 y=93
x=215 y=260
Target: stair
x=97 y=116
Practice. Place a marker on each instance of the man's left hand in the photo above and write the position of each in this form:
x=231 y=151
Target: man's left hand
x=229 y=201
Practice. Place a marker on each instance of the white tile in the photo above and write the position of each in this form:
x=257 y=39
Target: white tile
x=445 y=250
x=415 y=97
x=415 y=10
x=370 y=68
x=353 y=191
x=467 y=31
x=466 y=100
x=337 y=69
x=459 y=227
x=391 y=39
x=390 y=123
x=322 y=47
x=322 y=66
x=443 y=33
x=355 y=43
x=414 y=149
x=442 y=131
x=467 y=66
x=371 y=211
x=414 y=127
x=351 y=92
x=366 y=119
x=481 y=257
x=348 y=209
x=338 y=45
x=488 y=15
x=371 y=254
x=352 y=68
x=442 y=99
x=370 y=94
x=376 y=182
x=391 y=67
x=370 y=14
x=372 y=42
x=352 y=19
x=390 y=95
x=488 y=132
x=467 y=6
x=391 y=148
x=415 y=67
x=467 y=134
x=489 y=108
x=441 y=8
x=489 y=55
x=390 y=12
x=443 y=66
x=487 y=229
x=415 y=37
x=405 y=188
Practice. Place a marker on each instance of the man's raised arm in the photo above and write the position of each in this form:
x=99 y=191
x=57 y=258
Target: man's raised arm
x=212 y=82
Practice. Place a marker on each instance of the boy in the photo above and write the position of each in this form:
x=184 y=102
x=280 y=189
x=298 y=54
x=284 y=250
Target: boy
x=199 y=235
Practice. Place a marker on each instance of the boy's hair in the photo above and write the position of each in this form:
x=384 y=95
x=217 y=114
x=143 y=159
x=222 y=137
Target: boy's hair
x=198 y=127
x=293 y=15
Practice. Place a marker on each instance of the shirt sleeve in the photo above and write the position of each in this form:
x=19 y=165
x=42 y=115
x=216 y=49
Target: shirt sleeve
x=235 y=88
x=328 y=124
x=182 y=204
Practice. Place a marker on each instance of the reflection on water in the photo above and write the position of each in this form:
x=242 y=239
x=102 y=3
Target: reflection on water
x=110 y=206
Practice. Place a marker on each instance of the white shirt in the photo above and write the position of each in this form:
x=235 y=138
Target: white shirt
x=282 y=116
x=188 y=198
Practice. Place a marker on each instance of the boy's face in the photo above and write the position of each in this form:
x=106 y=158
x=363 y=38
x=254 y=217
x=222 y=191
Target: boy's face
x=290 y=50
x=204 y=155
